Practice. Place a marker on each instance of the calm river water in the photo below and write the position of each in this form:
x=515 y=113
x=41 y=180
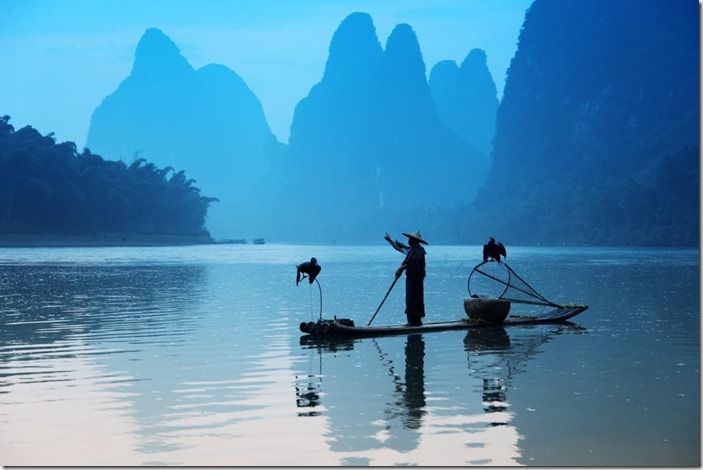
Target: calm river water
x=192 y=356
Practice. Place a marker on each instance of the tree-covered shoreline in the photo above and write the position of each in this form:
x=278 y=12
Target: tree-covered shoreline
x=597 y=134
x=50 y=189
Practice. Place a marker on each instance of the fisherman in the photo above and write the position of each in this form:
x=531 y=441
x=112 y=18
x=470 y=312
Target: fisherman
x=414 y=267
x=311 y=268
x=493 y=250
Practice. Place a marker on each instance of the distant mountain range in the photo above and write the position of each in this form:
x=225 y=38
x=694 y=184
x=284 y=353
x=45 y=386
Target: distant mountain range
x=366 y=144
x=595 y=141
x=597 y=134
x=369 y=140
x=206 y=121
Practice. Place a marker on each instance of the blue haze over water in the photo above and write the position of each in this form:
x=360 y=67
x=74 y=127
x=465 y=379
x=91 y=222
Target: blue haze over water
x=192 y=356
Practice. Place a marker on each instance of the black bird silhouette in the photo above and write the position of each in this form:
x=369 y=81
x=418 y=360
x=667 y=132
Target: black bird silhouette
x=493 y=250
x=311 y=268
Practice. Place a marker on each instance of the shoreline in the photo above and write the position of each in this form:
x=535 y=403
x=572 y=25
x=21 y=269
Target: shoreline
x=105 y=240
x=119 y=240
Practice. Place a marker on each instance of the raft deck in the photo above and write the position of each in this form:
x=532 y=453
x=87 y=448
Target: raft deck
x=335 y=328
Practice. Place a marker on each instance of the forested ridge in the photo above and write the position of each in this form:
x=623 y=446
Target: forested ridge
x=50 y=188
x=597 y=135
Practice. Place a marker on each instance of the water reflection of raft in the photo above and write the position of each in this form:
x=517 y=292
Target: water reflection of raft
x=345 y=327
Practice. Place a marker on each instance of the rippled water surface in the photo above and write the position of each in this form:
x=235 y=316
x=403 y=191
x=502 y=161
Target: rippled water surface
x=192 y=356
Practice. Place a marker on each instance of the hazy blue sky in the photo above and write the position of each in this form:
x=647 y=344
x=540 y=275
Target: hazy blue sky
x=59 y=59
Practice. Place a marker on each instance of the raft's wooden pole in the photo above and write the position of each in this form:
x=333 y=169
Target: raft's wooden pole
x=382 y=301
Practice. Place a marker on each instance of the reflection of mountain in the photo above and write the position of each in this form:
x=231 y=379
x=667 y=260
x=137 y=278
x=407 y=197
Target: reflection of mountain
x=93 y=300
x=73 y=314
x=212 y=383
x=165 y=362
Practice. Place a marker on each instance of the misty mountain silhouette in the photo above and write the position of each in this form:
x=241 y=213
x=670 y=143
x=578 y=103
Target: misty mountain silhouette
x=207 y=122
x=466 y=99
x=597 y=133
x=368 y=150
x=369 y=136
x=596 y=138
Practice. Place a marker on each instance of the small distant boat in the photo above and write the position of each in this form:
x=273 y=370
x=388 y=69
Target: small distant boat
x=259 y=241
x=232 y=241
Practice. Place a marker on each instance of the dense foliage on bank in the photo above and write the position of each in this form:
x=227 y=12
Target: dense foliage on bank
x=49 y=187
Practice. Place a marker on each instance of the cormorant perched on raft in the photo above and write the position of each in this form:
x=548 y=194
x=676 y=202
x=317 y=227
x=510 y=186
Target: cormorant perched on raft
x=311 y=268
x=493 y=250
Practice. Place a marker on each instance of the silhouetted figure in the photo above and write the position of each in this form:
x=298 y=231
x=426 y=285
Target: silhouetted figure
x=311 y=268
x=493 y=250
x=414 y=267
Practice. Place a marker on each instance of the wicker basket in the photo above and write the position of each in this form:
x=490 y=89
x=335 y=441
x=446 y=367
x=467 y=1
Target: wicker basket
x=487 y=309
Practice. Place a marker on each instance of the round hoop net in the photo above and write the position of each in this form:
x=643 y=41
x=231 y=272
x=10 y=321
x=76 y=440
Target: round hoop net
x=497 y=280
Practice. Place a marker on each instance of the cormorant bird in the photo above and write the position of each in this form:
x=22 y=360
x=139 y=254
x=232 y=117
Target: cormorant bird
x=311 y=268
x=493 y=250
